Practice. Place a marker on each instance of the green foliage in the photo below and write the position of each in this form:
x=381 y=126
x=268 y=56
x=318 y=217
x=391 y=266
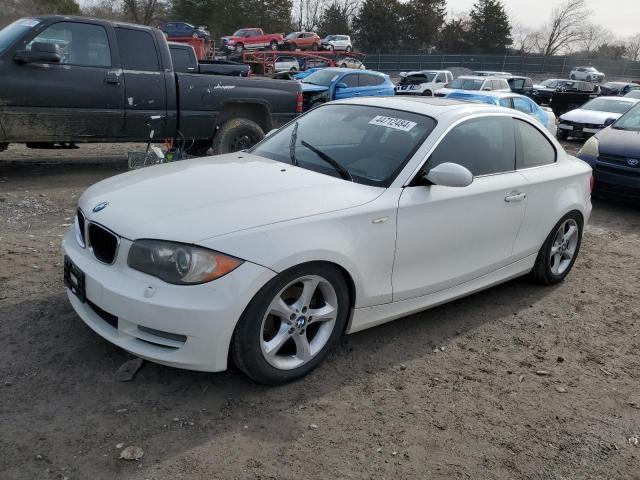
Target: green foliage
x=63 y=7
x=223 y=17
x=489 y=28
x=391 y=25
x=454 y=37
x=334 y=20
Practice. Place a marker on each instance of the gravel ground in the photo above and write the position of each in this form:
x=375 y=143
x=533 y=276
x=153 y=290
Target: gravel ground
x=516 y=382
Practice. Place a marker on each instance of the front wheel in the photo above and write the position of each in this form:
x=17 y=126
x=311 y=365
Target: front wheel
x=291 y=324
x=427 y=93
x=560 y=250
x=348 y=49
x=235 y=135
x=274 y=45
x=572 y=77
x=562 y=134
x=239 y=48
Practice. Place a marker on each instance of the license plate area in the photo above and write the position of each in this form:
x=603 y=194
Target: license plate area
x=74 y=279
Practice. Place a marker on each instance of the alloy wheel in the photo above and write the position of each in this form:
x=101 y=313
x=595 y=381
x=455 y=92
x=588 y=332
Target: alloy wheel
x=298 y=322
x=564 y=246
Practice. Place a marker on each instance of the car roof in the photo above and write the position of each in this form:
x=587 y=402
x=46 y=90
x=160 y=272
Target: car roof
x=431 y=106
x=352 y=70
x=615 y=97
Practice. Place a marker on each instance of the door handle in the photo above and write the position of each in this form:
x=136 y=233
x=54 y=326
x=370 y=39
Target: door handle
x=515 y=197
x=112 y=78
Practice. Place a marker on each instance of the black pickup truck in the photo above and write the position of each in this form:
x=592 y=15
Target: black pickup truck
x=184 y=60
x=72 y=79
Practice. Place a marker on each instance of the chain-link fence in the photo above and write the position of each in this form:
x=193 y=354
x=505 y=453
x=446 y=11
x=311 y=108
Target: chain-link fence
x=525 y=65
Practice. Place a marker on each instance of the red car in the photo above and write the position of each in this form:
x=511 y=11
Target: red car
x=251 y=39
x=302 y=41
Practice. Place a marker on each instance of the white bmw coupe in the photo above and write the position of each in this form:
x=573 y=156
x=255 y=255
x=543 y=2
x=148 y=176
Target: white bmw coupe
x=358 y=212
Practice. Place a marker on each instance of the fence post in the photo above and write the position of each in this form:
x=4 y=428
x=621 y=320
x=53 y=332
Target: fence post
x=504 y=60
x=564 y=64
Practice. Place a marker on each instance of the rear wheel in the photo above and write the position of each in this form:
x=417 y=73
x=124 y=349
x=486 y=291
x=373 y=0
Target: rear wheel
x=572 y=77
x=291 y=324
x=560 y=250
x=348 y=49
x=427 y=93
x=315 y=47
x=235 y=135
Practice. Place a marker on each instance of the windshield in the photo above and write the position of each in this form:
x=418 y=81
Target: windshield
x=292 y=35
x=240 y=33
x=11 y=33
x=607 y=105
x=329 y=37
x=321 y=77
x=372 y=144
x=629 y=121
x=633 y=94
x=466 y=84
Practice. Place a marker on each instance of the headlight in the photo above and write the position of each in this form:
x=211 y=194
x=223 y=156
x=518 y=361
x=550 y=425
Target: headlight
x=179 y=263
x=590 y=148
x=78 y=231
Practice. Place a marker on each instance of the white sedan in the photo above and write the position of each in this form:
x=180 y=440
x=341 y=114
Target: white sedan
x=593 y=116
x=357 y=213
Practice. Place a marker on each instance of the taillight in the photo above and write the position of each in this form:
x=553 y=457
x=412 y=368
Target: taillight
x=299 y=103
x=592 y=183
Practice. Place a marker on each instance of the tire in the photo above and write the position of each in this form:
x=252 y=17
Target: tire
x=273 y=45
x=572 y=77
x=344 y=65
x=427 y=93
x=281 y=310
x=239 y=48
x=235 y=135
x=559 y=251
x=348 y=49
x=562 y=134
x=588 y=78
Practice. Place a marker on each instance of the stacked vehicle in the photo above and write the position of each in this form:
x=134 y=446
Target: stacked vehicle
x=423 y=82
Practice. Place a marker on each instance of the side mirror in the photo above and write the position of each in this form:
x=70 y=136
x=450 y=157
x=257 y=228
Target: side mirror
x=41 y=52
x=449 y=175
x=609 y=121
x=341 y=85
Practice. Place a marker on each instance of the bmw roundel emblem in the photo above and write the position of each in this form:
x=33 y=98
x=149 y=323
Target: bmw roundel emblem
x=99 y=207
x=633 y=162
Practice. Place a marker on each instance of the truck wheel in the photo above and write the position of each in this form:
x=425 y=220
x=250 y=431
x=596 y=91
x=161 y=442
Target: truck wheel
x=3 y=146
x=348 y=49
x=235 y=135
x=572 y=77
x=273 y=45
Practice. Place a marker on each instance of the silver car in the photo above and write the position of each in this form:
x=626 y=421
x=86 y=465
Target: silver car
x=286 y=63
x=590 y=74
x=336 y=42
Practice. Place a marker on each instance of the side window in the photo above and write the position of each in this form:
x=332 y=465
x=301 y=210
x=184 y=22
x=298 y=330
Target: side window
x=180 y=59
x=522 y=105
x=137 y=50
x=351 y=80
x=528 y=83
x=81 y=44
x=484 y=145
x=535 y=149
x=517 y=84
x=505 y=102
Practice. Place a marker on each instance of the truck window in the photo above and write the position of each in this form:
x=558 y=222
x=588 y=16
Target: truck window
x=181 y=59
x=81 y=44
x=137 y=50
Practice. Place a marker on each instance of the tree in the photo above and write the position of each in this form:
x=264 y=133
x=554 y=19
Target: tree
x=454 y=36
x=378 y=25
x=143 y=11
x=422 y=21
x=490 y=30
x=565 y=27
x=593 y=36
x=611 y=51
x=633 y=47
x=62 y=7
x=523 y=39
x=337 y=17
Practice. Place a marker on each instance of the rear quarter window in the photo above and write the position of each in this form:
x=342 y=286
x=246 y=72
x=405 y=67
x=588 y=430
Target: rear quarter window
x=534 y=148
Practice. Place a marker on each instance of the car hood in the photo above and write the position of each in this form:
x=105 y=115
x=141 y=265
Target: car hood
x=588 y=116
x=624 y=143
x=193 y=200
x=309 y=87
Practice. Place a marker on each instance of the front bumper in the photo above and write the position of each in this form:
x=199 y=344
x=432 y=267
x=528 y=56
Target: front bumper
x=180 y=326
x=579 y=130
x=614 y=179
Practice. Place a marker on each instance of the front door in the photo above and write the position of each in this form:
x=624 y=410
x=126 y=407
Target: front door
x=447 y=236
x=79 y=98
x=350 y=87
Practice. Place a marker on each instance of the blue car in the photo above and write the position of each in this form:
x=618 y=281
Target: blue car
x=306 y=73
x=511 y=100
x=182 y=29
x=337 y=83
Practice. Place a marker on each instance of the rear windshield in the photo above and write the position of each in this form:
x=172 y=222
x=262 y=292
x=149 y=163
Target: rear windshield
x=607 y=105
x=15 y=30
x=466 y=84
x=373 y=144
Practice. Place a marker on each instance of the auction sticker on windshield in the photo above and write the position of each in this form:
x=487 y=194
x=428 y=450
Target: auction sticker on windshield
x=390 y=122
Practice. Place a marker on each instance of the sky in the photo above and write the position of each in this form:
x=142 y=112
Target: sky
x=622 y=17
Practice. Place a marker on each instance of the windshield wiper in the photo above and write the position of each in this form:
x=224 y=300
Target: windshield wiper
x=292 y=145
x=344 y=173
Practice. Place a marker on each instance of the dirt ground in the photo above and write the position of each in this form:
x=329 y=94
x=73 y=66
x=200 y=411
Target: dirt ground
x=516 y=382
